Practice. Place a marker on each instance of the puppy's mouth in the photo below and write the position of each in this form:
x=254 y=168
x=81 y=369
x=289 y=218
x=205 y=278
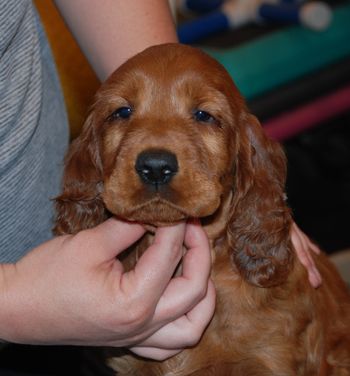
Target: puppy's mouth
x=156 y=212
x=160 y=208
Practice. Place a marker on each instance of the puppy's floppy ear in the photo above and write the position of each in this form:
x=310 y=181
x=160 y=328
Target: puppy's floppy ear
x=80 y=205
x=260 y=221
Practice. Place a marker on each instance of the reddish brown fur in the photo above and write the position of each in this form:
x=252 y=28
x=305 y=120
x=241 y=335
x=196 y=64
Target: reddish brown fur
x=268 y=320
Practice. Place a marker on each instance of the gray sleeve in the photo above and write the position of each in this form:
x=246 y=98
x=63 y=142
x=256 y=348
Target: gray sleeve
x=33 y=131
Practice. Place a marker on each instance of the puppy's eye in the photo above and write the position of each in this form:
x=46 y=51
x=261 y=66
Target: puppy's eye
x=120 y=113
x=203 y=116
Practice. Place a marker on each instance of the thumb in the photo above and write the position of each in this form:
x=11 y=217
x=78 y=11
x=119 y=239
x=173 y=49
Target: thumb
x=113 y=236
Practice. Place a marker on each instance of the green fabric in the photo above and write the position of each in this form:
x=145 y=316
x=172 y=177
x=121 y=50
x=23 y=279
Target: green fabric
x=283 y=56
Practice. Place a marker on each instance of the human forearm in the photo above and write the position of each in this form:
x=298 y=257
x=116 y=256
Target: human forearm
x=111 y=31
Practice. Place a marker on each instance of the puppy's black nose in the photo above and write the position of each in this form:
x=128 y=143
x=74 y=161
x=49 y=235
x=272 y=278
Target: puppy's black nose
x=156 y=167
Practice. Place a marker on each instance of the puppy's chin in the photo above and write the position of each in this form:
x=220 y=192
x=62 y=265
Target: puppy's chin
x=156 y=215
x=159 y=212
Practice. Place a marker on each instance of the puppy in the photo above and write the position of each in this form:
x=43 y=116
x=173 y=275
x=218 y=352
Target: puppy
x=170 y=138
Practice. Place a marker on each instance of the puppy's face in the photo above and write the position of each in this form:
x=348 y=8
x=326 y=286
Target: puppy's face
x=169 y=138
x=166 y=128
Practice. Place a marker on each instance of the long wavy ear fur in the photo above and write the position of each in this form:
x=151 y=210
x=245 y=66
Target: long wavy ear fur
x=80 y=205
x=260 y=220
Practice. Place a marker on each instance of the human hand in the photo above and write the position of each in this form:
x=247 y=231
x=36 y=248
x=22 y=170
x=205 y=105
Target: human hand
x=303 y=245
x=73 y=291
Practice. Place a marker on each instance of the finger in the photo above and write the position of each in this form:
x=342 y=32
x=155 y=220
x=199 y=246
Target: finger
x=184 y=292
x=301 y=246
x=303 y=256
x=198 y=257
x=154 y=352
x=314 y=248
x=156 y=266
x=204 y=311
x=307 y=243
x=113 y=236
x=313 y=273
x=186 y=330
x=315 y=277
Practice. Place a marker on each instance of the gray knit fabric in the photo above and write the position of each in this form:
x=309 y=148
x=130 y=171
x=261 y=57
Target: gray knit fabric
x=33 y=131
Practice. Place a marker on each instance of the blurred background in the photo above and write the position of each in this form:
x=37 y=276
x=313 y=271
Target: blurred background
x=291 y=61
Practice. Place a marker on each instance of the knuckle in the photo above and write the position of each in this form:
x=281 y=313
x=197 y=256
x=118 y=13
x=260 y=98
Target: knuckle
x=137 y=316
x=202 y=291
x=193 y=336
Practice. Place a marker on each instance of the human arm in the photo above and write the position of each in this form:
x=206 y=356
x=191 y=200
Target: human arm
x=111 y=31
x=72 y=290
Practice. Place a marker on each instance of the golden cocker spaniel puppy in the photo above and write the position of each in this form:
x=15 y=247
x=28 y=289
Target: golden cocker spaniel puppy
x=169 y=138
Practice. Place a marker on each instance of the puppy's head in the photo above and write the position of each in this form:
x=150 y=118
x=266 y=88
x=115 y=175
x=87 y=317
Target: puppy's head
x=169 y=138
x=165 y=119
x=158 y=139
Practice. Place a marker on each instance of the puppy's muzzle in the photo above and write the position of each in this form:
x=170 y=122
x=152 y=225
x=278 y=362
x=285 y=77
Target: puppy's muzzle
x=156 y=167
